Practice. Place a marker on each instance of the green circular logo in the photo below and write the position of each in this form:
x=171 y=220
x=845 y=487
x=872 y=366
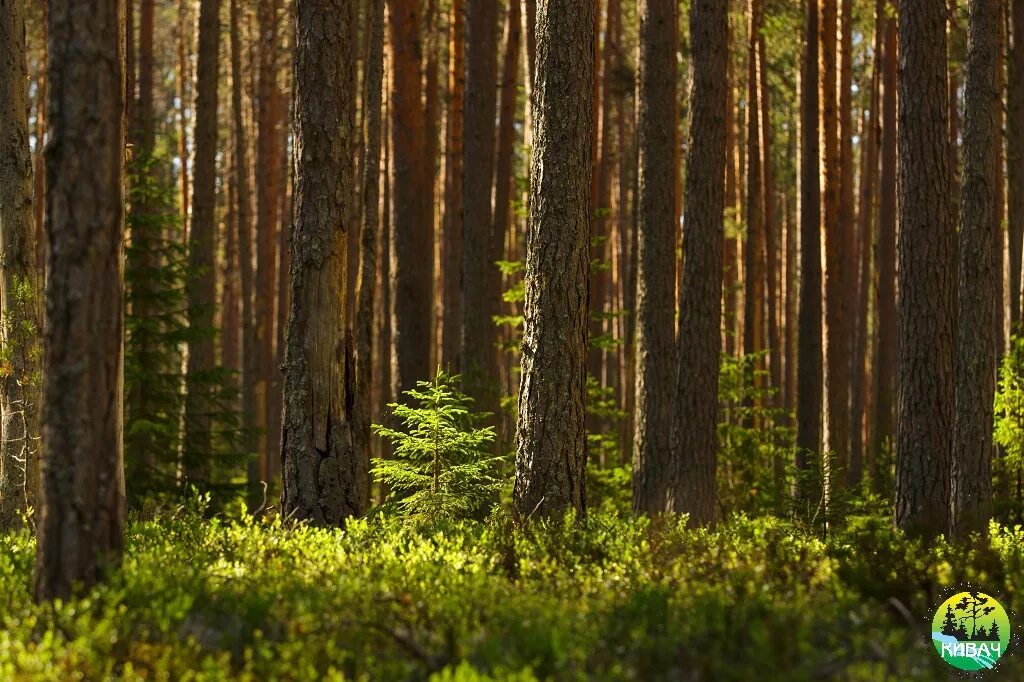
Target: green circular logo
x=971 y=630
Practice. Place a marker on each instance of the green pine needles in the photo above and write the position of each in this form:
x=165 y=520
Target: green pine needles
x=443 y=467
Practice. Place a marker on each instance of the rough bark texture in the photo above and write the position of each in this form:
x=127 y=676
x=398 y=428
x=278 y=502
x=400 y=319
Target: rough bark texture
x=971 y=468
x=809 y=360
x=413 y=273
x=82 y=514
x=1015 y=158
x=695 y=435
x=849 y=270
x=19 y=289
x=551 y=448
x=451 y=250
x=201 y=284
x=656 y=258
x=926 y=275
x=372 y=95
x=885 y=365
x=324 y=481
x=479 y=273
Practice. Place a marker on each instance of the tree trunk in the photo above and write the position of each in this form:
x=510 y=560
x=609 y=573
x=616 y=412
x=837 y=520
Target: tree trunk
x=201 y=283
x=885 y=372
x=809 y=350
x=971 y=463
x=431 y=126
x=926 y=275
x=324 y=480
x=849 y=270
x=413 y=274
x=268 y=178
x=19 y=291
x=1015 y=160
x=504 y=170
x=184 y=78
x=860 y=384
x=479 y=273
x=81 y=520
x=754 y=253
x=369 y=230
x=551 y=448
x=451 y=250
x=695 y=432
x=656 y=259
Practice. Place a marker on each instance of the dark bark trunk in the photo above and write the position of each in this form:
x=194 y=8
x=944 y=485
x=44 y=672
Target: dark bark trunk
x=809 y=351
x=451 y=250
x=480 y=278
x=1015 y=159
x=926 y=275
x=369 y=230
x=413 y=274
x=324 y=479
x=201 y=284
x=656 y=259
x=695 y=434
x=551 y=448
x=81 y=521
x=971 y=463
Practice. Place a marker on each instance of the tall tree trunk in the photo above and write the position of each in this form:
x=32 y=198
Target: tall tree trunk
x=323 y=477
x=754 y=253
x=431 y=127
x=248 y=364
x=835 y=337
x=184 y=78
x=695 y=434
x=885 y=372
x=926 y=275
x=504 y=169
x=845 y=217
x=656 y=259
x=809 y=350
x=413 y=268
x=971 y=463
x=369 y=230
x=19 y=289
x=201 y=283
x=81 y=521
x=268 y=178
x=479 y=273
x=551 y=448
x=860 y=383
x=451 y=234
x=1015 y=159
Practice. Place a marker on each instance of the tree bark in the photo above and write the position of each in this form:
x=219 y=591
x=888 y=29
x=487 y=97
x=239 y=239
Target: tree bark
x=268 y=179
x=480 y=278
x=19 y=288
x=809 y=350
x=754 y=253
x=656 y=259
x=885 y=373
x=1015 y=160
x=979 y=287
x=926 y=275
x=364 y=327
x=323 y=477
x=413 y=274
x=82 y=513
x=551 y=448
x=201 y=283
x=695 y=434
x=451 y=324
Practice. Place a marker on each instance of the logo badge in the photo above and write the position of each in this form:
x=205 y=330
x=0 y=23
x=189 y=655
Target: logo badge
x=971 y=631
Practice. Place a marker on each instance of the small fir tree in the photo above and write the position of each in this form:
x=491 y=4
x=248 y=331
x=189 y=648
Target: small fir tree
x=443 y=467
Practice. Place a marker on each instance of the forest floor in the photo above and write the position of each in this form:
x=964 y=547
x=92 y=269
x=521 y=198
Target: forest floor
x=228 y=597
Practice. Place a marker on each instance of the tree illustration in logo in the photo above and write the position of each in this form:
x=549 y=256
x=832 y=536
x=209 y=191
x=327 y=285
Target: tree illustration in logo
x=971 y=630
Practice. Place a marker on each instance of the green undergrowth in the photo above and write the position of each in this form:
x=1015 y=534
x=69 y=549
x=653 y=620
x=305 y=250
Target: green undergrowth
x=218 y=599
